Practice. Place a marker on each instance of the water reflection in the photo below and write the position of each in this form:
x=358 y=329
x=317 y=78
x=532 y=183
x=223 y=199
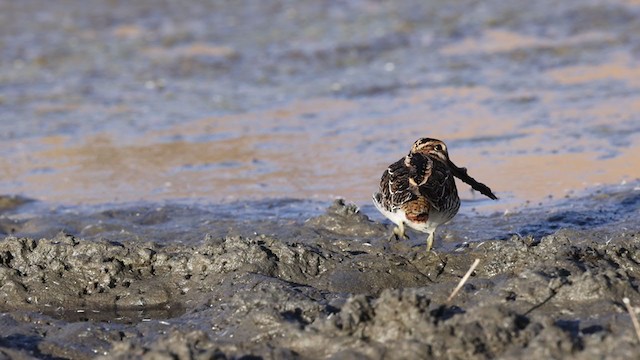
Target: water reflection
x=325 y=148
x=533 y=108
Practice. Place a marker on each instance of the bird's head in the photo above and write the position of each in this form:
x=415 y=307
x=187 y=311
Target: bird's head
x=433 y=148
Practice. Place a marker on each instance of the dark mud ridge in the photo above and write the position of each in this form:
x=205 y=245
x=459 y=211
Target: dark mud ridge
x=328 y=287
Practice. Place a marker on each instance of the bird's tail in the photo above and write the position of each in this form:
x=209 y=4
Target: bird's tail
x=377 y=200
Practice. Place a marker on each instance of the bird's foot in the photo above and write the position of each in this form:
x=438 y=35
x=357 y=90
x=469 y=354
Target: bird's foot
x=437 y=255
x=399 y=234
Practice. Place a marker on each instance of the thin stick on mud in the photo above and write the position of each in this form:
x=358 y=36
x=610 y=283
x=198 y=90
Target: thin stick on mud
x=632 y=313
x=463 y=280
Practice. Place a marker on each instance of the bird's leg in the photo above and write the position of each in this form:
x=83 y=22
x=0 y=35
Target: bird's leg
x=430 y=241
x=403 y=233
x=399 y=232
x=429 y=249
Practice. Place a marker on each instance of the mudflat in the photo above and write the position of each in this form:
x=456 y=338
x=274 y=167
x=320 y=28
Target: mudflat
x=170 y=169
x=331 y=286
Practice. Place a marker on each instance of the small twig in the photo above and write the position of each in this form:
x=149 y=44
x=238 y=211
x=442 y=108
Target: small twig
x=632 y=313
x=463 y=280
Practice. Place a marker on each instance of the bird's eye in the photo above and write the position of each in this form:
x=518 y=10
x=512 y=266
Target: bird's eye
x=438 y=147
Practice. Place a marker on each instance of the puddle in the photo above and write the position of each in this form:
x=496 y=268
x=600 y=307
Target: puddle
x=118 y=316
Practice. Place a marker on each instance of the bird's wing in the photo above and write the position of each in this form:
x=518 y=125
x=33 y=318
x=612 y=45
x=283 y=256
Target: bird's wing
x=399 y=183
x=438 y=186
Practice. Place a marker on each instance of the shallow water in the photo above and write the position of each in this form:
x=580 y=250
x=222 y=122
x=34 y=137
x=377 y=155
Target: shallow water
x=327 y=148
x=534 y=108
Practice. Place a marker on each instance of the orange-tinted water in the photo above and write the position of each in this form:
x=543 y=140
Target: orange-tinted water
x=536 y=109
x=325 y=148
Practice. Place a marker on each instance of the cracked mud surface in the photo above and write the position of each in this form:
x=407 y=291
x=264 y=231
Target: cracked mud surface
x=331 y=286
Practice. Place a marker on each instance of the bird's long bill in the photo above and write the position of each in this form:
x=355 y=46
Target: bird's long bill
x=461 y=173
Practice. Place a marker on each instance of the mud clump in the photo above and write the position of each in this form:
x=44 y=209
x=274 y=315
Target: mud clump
x=330 y=286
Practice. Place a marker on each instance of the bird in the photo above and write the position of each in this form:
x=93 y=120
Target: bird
x=419 y=190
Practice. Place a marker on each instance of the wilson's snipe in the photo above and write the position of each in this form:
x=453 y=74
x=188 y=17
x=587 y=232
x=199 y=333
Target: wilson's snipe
x=419 y=190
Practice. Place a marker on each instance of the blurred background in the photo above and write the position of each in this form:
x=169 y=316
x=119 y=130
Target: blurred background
x=121 y=101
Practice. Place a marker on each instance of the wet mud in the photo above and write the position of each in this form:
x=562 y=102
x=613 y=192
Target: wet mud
x=330 y=286
x=118 y=102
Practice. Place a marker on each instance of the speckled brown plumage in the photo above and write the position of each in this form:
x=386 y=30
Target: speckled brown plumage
x=419 y=190
x=417 y=210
